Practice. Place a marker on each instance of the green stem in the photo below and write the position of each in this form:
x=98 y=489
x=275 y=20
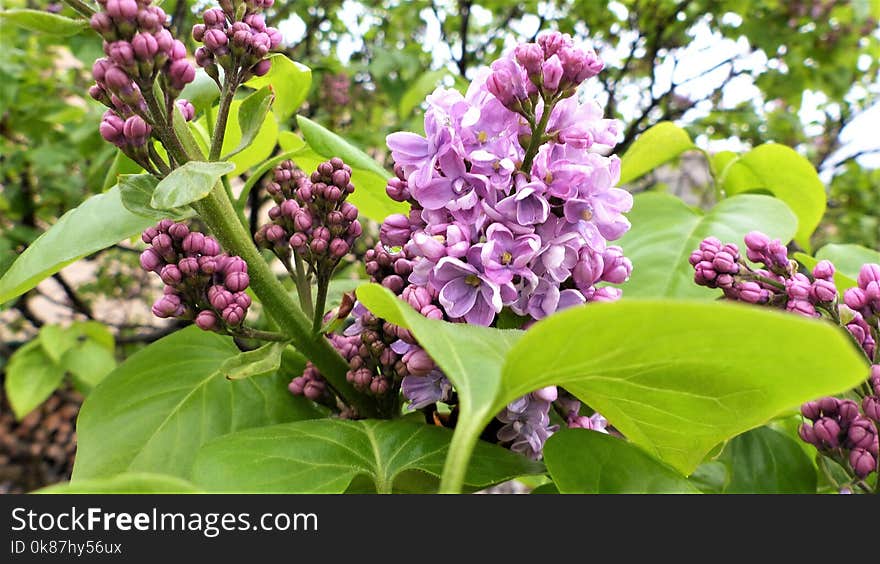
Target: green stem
x=320 y=303
x=164 y=129
x=158 y=161
x=460 y=448
x=217 y=212
x=248 y=333
x=229 y=86
x=303 y=289
x=537 y=137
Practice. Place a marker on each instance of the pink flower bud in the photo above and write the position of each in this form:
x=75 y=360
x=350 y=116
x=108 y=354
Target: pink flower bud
x=530 y=56
x=236 y=281
x=215 y=39
x=233 y=314
x=207 y=320
x=145 y=46
x=823 y=290
x=101 y=23
x=214 y=17
x=122 y=9
x=824 y=269
x=189 y=266
x=262 y=67
x=868 y=273
x=181 y=73
x=136 y=131
x=150 y=260
x=171 y=275
x=194 y=243
x=862 y=462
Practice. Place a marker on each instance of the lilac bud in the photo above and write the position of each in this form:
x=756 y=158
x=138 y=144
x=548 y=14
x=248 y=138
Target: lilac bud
x=165 y=41
x=214 y=17
x=150 y=260
x=757 y=241
x=395 y=230
x=207 y=320
x=236 y=281
x=121 y=53
x=810 y=410
x=116 y=79
x=262 y=67
x=215 y=39
x=194 y=243
x=198 y=32
x=855 y=299
x=166 y=306
x=302 y=221
x=871 y=408
x=112 y=129
x=355 y=229
x=862 y=462
x=211 y=247
x=753 y=293
x=187 y=110
x=189 y=266
x=394 y=283
x=823 y=290
x=233 y=314
x=824 y=270
x=220 y=297
x=101 y=23
x=617 y=268
x=171 y=275
x=242 y=299
x=579 y=65
x=868 y=273
x=847 y=410
x=338 y=248
x=136 y=131
x=530 y=56
x=829 y=405
x=551 y=42
x=122 y=9
x=806 y=433
x=861 y=434
x=552 y=72
x=418 y=363
x=144 y=46
x=548 y=394
x=827 y=432
x=181 y=73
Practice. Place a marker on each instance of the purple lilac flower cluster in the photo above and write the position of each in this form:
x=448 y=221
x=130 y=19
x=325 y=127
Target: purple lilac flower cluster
x=201 y=283
x=312 y=217
x=139 y=50
x=841 y=429
x=235 y=37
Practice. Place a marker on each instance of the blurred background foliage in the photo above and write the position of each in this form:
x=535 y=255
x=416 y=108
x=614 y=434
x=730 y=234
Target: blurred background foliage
x=734 y=73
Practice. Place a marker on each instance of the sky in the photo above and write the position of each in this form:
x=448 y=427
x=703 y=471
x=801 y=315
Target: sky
x=706 y=50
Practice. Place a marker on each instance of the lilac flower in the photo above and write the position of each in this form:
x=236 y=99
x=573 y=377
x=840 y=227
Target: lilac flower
x=466 y=292
x=505 y=255
x=527 y=423
x=422 y=391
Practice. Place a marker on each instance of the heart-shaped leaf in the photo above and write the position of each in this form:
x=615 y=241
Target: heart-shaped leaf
x=766 y=461
x=31 y=377
x=136 y=191
x=324 y=456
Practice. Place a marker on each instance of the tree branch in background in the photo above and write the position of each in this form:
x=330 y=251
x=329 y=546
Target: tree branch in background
x=76 y=302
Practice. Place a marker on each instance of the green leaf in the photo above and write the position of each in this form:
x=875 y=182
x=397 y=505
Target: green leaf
x=89 y=362
x=327 y=144
x=290 y=81
x=289 y=141
x=788 y=176
x=252 y=112
x=44 y=22
x=766 y=461
x=678 y=378
x=848 y=259
x=656 y=146
x=368 y=177
x=324 y=456
x=57 y=340
x=583 y=461
x=188 y=183
x=31 y=377
x=99 y=222
x=136 y=191
x=420 y=88
x=201 y=92
x=153 y=412
x=665 y=231
x=258 y=362
x=128 y=483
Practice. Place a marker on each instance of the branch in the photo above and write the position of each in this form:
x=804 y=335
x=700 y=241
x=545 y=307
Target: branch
x=75 y=301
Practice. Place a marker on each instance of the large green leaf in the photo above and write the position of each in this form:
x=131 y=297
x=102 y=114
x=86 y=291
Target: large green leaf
x=129 y=483
x=89 y=363
x=44 y=22
x=99 y=222
x=201 y=92
x=324 y=456
x=766 y=461
x=290 y=81
x=153 y=412
x=676 y=378
x=582 y=461
x=261 y=146
x=328 y=144
x=188 y=183
x=31 y=377
x=665 y=231
x=656 y=146
x=788 y=176
x=417 y=91
x=252 y=112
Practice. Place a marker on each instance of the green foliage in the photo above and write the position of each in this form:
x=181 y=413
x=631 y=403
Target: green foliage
x=137 y=192
x=325 y=456
x=188 y=183
x=766 y=461
x=258 y=362
x=252 y=112
x=153 y=412
x=101 y=221
x=582 y=461
x=665 y=231
x=656 y=146
x=290 y=81
x=676 y=378
x=31 y=377
x=44 y=22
